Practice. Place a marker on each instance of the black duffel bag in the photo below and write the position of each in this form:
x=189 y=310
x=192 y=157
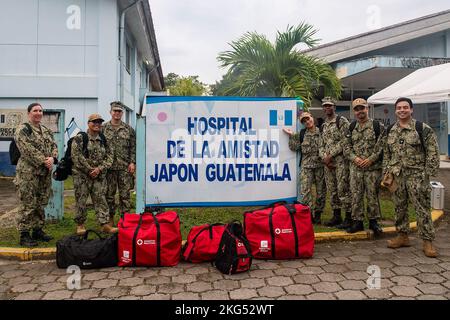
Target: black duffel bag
x=87 y=254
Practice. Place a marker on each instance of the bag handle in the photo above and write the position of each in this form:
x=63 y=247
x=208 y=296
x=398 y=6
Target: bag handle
x=290 y=208
x=216 y=224
x=274 y=204
x=86 y=234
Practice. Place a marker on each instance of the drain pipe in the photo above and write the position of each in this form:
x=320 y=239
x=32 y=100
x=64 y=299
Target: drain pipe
x=122 y=45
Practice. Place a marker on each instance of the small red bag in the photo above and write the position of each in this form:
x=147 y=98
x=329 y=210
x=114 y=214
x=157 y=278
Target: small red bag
x=280 y=231
x=203 y=242
x=149 y=240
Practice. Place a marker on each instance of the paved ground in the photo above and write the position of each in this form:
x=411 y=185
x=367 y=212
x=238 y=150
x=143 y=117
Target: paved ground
x=337 y=271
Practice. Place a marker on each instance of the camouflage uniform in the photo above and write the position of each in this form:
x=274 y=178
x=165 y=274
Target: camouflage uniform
x=33 y=179
x=99 y=156
x=311 y=168
x=337 y=180
x=364 y=144
x=412 y=168
x=123 y=141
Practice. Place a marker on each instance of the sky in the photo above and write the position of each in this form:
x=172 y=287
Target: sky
x=191 y=33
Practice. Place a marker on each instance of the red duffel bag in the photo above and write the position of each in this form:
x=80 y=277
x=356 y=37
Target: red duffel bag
x=203 y=243
x=149 y=240
x=280 y=231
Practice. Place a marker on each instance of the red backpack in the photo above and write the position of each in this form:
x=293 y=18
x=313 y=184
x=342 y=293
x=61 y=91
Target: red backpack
x=280 y=231
x=149 y=240
x=203 y=242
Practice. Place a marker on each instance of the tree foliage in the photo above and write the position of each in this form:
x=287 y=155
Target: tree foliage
x=256 y=67
x=184 y=86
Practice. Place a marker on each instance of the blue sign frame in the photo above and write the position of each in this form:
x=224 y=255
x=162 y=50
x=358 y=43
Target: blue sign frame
x=141 y=153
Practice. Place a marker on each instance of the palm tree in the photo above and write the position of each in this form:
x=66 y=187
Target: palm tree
x=260 y=68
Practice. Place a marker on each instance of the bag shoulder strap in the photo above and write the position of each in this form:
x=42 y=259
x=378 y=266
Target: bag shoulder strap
x=376 y=128
x=103 y=139
x=302 y=135
x=85 y=138
x=338 y=121
x=352 y=126
x=419 y=129
x=29 y=130
x=388 y=130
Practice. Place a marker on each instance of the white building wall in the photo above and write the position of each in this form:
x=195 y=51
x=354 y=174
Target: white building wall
x=108 y=55
x=65 y=55
x=65 y=49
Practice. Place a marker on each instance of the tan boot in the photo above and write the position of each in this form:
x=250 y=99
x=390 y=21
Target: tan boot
x=429 y=250
x=81 y=229
x=401 y=240
x=107 y=228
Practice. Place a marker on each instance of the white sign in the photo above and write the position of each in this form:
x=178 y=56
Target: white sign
x=219 y=151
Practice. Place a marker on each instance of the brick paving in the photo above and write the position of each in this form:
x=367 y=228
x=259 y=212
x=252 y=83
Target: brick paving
x=337 y=271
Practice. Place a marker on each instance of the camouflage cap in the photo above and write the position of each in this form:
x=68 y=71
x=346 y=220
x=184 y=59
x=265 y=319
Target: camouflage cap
x=359 y=102
x=117 y=105
x=305 y=115
x=328 y=100
x=95 y=116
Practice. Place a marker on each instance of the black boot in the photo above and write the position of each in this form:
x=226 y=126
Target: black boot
x=347 y=221
x=375 y=227
x=26 y=241
x=40 y=235
x=317 y=217
x=355 y=226
x=336 y=220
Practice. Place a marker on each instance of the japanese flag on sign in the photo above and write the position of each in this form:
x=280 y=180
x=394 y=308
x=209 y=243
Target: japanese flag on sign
x=161 y=114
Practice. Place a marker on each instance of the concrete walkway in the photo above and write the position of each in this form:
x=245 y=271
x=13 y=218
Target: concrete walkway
x=337 y=271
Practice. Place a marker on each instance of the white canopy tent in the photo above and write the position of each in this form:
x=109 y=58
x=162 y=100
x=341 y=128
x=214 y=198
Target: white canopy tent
x=427 y=85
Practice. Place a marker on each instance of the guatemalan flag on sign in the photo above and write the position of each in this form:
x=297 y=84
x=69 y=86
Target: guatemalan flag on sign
x=280 y=118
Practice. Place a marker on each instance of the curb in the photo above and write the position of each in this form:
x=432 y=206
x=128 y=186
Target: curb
x=368 y=235
x=25 y=254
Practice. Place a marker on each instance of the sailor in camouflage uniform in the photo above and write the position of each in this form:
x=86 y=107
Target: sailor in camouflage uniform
x=307 y=143
x=333 y=132
x=38 y=153
x=364 y=151
x=122 y=138
x=89 y=175
x=411 y=154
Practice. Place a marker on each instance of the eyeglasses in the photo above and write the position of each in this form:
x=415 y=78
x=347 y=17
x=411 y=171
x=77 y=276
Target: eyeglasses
x=120 y=111
x=97 y=121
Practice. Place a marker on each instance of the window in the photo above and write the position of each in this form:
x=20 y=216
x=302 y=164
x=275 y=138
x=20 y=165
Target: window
x=127 y=116
x=2 y=118
x=128 y=58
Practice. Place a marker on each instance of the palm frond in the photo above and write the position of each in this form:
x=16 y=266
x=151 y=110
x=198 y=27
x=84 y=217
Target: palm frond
x=258 y=67
x=301 y=34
